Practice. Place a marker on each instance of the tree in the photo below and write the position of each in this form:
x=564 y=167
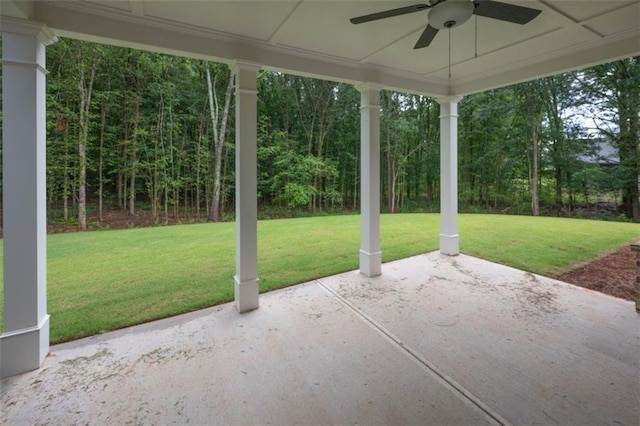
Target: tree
x=613 y=93
x=219 y=118
x=62 y=122
x=530 y=97
x=566 y=141
x=402 y=142
x=157 y=129
x=493 y=157
x=86 y=78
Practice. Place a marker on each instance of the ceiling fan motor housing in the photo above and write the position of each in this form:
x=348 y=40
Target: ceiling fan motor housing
x=451 y=13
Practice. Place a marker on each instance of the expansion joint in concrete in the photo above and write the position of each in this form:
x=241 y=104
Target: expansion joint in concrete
x=456 y=388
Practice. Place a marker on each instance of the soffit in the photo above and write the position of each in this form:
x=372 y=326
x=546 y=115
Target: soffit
x=315 y=38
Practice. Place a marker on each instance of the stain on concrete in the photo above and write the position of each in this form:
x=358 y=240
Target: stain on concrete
x=536 y=299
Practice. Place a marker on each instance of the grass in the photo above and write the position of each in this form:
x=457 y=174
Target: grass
x=543 y=245
x=101 y=281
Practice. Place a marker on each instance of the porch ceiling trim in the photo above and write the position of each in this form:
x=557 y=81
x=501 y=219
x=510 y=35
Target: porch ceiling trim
x=159 y=36
x=567 y=37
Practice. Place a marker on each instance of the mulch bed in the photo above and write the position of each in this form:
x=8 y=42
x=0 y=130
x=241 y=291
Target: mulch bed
x=613 y=274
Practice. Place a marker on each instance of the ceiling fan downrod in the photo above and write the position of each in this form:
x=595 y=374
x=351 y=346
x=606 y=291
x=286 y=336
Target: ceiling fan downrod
x=450 y=52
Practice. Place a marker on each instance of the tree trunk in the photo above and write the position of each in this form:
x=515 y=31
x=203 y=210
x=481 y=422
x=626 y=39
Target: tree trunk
x=629 y=144
x=174 y=176
x=132 y=170
x=531 y=103
x=65 y=181
x=392 y=189
x=355 y=178
x=570 y=192
x=389 y=175
x=558 y=175
x=103 y=115
x=219 y=137
x=85 y=87
x=535 y=202
x=199 y=139
x=155 y=178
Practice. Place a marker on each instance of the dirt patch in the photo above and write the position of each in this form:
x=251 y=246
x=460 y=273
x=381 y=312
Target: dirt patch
x=613 y=274
x=121 y=219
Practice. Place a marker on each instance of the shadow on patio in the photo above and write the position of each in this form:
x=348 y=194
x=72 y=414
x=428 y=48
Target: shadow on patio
x=435 y=339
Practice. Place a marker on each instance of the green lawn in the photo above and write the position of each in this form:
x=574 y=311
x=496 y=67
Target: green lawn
x=101 y=281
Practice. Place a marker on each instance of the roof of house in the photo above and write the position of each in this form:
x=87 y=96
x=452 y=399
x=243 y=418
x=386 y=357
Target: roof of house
x=604 y=153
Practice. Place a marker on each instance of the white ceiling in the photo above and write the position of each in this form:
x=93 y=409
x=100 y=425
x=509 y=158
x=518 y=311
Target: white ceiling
x=315 y=37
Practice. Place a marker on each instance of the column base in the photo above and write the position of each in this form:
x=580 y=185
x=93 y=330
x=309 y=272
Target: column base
x=450 y=244
x=246 y=295
x=370 y=263
x=24 y=350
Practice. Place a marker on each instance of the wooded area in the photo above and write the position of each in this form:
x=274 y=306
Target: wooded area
x=130 y=129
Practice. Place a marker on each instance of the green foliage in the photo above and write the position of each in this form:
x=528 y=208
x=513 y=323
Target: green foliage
x=296 y=194
x=493 y=150
x=611 y=93
x=409 y=148
x=150 y=139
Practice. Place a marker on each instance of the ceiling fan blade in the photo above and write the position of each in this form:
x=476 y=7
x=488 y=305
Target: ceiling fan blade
x=389 y=13
x=426 y=37
x=504 y=11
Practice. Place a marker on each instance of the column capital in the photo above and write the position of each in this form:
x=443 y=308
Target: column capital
x=449 y=99
x=240 y=65
x=22 y=26
x=366 y=86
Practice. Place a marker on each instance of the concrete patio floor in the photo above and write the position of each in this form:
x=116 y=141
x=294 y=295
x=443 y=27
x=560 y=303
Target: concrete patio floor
x=434 y=340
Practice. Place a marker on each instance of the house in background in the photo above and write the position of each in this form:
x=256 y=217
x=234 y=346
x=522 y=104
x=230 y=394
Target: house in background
x=604 y=154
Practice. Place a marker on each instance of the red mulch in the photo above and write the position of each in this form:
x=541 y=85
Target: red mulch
x=613 y=274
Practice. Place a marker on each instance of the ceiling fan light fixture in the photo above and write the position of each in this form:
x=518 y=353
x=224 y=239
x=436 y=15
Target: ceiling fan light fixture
x=450 y=14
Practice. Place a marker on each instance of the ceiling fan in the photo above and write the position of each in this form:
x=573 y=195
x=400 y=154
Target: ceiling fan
x=446 y=14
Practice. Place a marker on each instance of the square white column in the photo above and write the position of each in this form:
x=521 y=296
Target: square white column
x=449 y=238
x=370 y=254
x=24 y=342
x=246 y=278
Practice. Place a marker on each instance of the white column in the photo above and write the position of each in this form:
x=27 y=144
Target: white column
x=24 y=342
x=370 y=254
x=246 y=278
x=449 y=239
